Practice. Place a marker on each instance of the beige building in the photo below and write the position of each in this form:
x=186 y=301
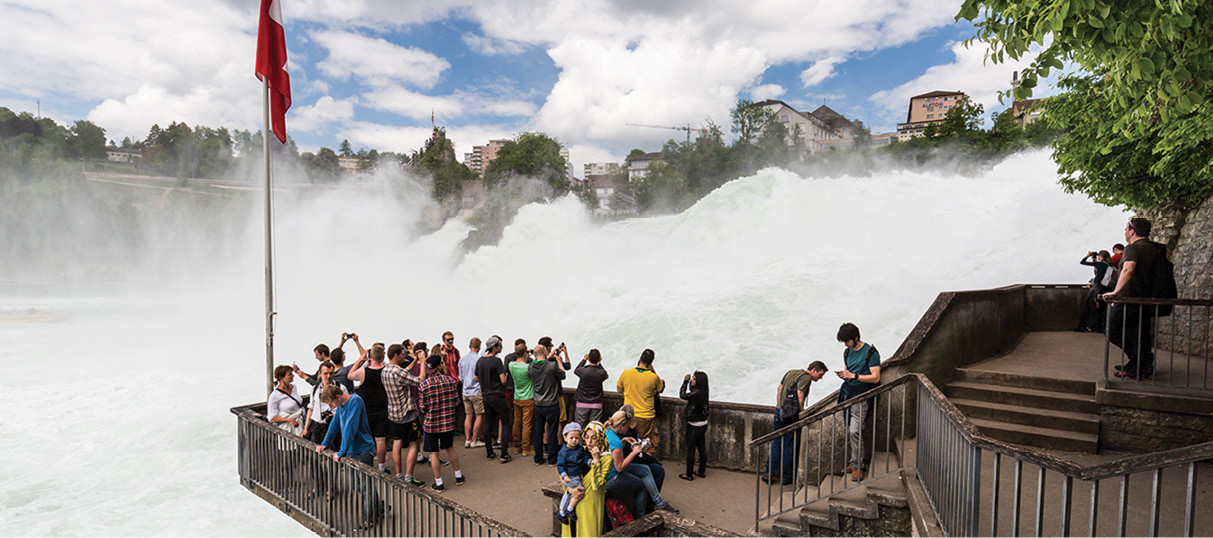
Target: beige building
x=638 y=166
x=349 y=164
x=480 y=157
x=1026 y=112
x=122 y=155
x=925 y=110
x=820 y=129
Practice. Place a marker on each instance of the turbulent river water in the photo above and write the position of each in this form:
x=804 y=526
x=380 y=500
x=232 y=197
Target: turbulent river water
x=115 y=404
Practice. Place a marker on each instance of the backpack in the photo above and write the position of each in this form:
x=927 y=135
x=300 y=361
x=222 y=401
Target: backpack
x=618 y=513
x=789 y=410
x=1110 y=276
x=1162 y=282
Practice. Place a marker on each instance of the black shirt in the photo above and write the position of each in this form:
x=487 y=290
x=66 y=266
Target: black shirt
x=1145 y=253
x=374 y=396
x=488 y=370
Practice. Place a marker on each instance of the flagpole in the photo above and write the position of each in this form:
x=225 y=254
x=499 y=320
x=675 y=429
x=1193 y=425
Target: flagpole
x=269 y=248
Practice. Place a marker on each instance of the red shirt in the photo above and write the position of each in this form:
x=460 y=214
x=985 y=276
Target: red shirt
x=451 y=359
x=439 y=398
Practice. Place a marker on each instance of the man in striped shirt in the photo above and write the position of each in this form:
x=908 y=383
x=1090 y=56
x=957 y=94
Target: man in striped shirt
x=439 y=398
x=404 y=423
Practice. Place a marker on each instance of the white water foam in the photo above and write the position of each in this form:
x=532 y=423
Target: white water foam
x=117 y=414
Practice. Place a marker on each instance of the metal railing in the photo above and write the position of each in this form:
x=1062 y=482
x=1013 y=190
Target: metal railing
x=817 y=463
x=976 y=484
x=345 y=498
x=1171 y=336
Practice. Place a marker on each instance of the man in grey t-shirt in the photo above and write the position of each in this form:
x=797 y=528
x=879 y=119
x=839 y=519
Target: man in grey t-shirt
x=546 y=372
x=588 y=398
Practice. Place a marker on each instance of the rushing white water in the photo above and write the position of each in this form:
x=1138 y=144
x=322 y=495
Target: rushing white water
x=116 y=413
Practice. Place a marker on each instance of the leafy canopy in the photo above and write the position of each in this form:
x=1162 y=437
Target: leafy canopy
x=1150 y=78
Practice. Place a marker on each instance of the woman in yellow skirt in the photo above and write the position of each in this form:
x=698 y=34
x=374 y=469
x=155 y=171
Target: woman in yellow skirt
x=590 y=511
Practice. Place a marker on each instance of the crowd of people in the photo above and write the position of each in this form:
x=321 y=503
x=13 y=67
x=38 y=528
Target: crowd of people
x=403 y=399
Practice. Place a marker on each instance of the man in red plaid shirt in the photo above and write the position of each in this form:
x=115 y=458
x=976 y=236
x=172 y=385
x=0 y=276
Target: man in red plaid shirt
x=439 y=398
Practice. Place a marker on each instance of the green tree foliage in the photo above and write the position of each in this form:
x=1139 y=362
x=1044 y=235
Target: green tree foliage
x=533 y=155
x=436 y=160
x=345 y=149
x=1151 y=79
x=88 y=140
x=322 y=166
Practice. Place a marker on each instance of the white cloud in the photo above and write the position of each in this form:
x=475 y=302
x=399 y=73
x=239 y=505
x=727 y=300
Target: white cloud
x=767 y=91
x=969 y=72
x=377 y=61
x=417 y=106
x=491 y=47
x=819 y=71
x=317 y=117
x=408 y=139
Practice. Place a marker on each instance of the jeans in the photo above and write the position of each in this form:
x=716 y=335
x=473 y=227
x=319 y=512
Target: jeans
x=496 y=411
x=362 y=484
x=785 y=452
x=637 y=478
x=546 y=417
x=585 y=415
x=696 y=439
x=573 y=483
x=1090 y=317
x=1131 y=328
x=855 y=417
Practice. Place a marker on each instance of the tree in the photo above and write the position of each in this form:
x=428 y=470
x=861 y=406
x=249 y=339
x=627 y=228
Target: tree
x=750 y=120
x=964 y=117
x=345 y=149
x=89 y=140
x=1150 y=77
x=530 y=154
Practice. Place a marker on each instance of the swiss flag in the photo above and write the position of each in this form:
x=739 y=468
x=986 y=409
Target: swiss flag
x=271 y=64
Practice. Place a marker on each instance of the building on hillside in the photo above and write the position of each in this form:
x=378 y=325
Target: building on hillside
x=926 y=109
x=479 y=158
x=820 y=129
x=1026 y=112
x=638 y=166
x=349 y=164
x=568 y=163
x=599 y=169
x=122 y=155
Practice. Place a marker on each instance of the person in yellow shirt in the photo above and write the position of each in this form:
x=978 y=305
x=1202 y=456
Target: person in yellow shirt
x=641 y=388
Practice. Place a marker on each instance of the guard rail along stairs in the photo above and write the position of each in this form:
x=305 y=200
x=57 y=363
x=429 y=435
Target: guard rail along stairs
x=975 y=485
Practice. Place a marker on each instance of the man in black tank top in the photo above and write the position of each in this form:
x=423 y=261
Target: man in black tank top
x=375 y=397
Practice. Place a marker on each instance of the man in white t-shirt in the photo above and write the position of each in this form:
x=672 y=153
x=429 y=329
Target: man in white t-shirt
x=473 y=403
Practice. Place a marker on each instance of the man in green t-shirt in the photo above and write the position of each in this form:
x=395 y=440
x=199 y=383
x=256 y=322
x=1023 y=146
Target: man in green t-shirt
x=793 y=389
x=517 y=366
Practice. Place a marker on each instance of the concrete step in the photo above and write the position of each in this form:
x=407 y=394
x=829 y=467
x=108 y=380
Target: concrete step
x=1038 y=437
x=871 y=504
x=1029 y=416
x=1044 y=399
x=993 y=377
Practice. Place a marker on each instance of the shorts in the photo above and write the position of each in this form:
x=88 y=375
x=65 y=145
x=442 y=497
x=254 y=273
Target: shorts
x=433 y=442
x=473 y=405
x=380 y=425
x=406 y=432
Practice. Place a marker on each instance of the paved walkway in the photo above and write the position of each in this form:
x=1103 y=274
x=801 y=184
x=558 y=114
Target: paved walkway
x=1080 y=356
x=512 y=492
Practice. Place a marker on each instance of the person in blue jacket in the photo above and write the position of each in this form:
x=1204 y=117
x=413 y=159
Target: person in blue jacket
x=349 y=417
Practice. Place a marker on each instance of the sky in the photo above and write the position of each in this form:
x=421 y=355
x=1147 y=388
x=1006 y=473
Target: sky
x=373 y=71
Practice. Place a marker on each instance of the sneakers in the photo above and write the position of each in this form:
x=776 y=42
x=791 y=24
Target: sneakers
x=467 y=444
x=496 y=444
x=563 y=518
x=506 y=458
x=442 y=463
x=477 y=444
x=492 y=456
x=414 y=482
x=667 y=507
x=856 y=474
x=459 y=480
x=438 y=487
x=540 y=461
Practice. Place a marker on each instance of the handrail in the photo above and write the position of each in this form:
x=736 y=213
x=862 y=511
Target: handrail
x=1161 y=302
x=249 y=415
x=1130 y=464
x=830 y=410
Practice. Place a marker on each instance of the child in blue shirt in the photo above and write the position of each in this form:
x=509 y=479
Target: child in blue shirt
x=572 y=463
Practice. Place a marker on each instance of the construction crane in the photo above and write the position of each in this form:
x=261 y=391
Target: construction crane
x=686 y=128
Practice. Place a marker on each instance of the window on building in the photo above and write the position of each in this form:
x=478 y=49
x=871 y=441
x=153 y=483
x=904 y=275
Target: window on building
x=784 y=119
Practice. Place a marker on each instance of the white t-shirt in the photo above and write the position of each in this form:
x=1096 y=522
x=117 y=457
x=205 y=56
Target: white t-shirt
x=319 y=407
x=281 y=405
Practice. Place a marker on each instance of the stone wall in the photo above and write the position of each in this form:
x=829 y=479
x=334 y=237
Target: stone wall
x=1189 y=239
x=1143 y=431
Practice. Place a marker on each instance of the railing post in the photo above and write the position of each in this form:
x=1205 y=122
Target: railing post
x=1094 y=507
x=975 y=491
x=994 y=497
x=1066 y=484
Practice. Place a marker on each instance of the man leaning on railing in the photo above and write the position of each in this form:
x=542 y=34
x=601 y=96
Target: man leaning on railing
x=1129 y=326
x=349 y=417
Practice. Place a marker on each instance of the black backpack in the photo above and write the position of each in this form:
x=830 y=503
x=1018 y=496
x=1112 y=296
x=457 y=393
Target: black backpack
x=790 y=409
x=1162 y=282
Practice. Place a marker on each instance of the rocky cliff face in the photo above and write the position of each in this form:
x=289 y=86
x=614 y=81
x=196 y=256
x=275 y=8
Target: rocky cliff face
x=1189 y=239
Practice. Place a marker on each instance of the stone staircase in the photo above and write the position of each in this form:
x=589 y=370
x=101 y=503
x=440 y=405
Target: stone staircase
x=1043 y=412
x=877 y=508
